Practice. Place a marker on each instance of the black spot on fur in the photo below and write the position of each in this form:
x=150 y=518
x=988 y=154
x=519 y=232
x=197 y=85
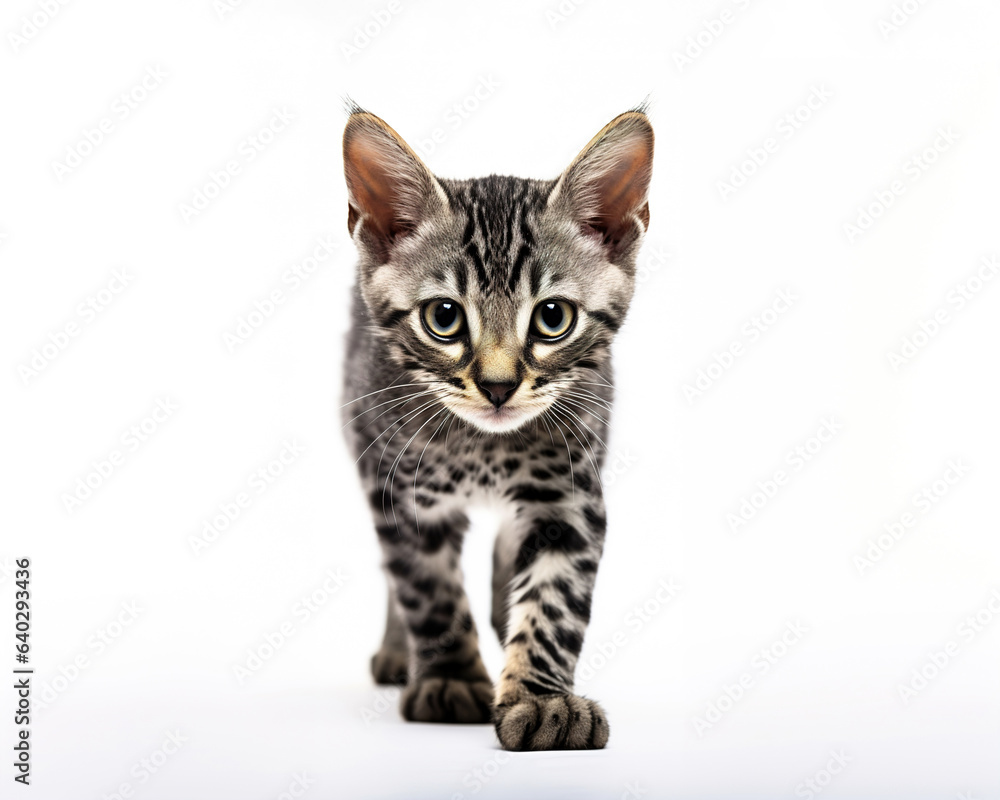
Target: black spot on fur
x=541 y=474
x=536 y=277
x=477 y=260
x=515 y=272
x=387 y=533
x=553 y=613
x=394 y=317
x=540 y=664
x=445 y=609
x=548 y=535
x=579 y=606
x=511 y=464
x=550 y=648
x=430 y=628
x=605 y=319
x=534 y=494
x=537 y=688
x=531 y=594
x=569 y=640
x=399 y=567
x=433 y=537
x=598 y=522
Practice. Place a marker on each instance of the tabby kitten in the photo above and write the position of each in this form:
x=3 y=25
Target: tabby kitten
x=478 y=368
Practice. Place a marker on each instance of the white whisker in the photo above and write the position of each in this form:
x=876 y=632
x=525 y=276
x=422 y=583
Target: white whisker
x=416 y=471
x=395 y=466
x=387 y=402
x=400 y=419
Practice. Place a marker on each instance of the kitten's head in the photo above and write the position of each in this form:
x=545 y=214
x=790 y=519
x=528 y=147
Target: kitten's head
x=502 y=292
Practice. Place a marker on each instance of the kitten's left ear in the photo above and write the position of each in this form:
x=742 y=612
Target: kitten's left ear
x=390 y=190
x=607 y=184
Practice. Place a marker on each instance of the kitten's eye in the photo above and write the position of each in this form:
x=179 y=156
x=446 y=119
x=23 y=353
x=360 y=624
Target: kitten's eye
x=552 y=319
x=444 y=318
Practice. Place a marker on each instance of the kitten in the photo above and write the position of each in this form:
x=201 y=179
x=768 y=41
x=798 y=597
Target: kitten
x=478 y=367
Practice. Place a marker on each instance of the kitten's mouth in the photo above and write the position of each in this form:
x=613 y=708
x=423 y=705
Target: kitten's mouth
x=494 y=420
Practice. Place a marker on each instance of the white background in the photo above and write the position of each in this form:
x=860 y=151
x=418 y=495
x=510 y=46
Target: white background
x=548 y=79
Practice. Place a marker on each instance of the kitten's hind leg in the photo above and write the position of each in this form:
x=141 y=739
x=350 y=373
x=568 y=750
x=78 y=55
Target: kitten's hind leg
x=389 y=664
x=447 y=681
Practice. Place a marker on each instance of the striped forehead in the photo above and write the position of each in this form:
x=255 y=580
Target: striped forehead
x=497 y=255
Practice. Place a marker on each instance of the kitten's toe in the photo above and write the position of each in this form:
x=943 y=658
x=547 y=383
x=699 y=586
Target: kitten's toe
x=550 y=722
x=441 y=699
x=389 y=667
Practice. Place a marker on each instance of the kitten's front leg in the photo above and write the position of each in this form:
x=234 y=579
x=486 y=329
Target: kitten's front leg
x=391 y=663
x=554 y=571
x=447 y=680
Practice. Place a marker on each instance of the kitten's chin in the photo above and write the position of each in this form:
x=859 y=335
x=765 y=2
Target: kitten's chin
x=495 y=420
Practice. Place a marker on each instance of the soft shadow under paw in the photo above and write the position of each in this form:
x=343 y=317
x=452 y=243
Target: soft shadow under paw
x=436 y=699
x=550 y=722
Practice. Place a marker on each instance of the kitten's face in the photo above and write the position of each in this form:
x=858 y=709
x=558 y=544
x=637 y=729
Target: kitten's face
x=503 y=344
x=503 y=294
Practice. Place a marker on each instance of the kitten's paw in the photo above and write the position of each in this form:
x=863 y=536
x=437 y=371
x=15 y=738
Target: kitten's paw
x=389 y=667
x=438 y=699
x=550 y=722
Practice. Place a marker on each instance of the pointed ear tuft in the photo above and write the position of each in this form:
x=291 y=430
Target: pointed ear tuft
x=607 y=184
x=390 y=191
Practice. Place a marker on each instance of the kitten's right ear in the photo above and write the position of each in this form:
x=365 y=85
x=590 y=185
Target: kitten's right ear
x=389 y=190
x=605 y=188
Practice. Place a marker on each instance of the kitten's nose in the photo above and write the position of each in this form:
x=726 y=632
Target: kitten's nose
x=497 y=393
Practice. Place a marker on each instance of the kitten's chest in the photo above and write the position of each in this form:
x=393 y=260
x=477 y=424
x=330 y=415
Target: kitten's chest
x=502 y=468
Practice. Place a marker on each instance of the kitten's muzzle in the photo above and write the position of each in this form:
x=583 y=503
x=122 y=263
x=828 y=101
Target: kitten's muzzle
x=497 y=393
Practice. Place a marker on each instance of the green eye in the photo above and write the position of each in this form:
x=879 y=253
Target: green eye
x=444 y=318
x=552 y=319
